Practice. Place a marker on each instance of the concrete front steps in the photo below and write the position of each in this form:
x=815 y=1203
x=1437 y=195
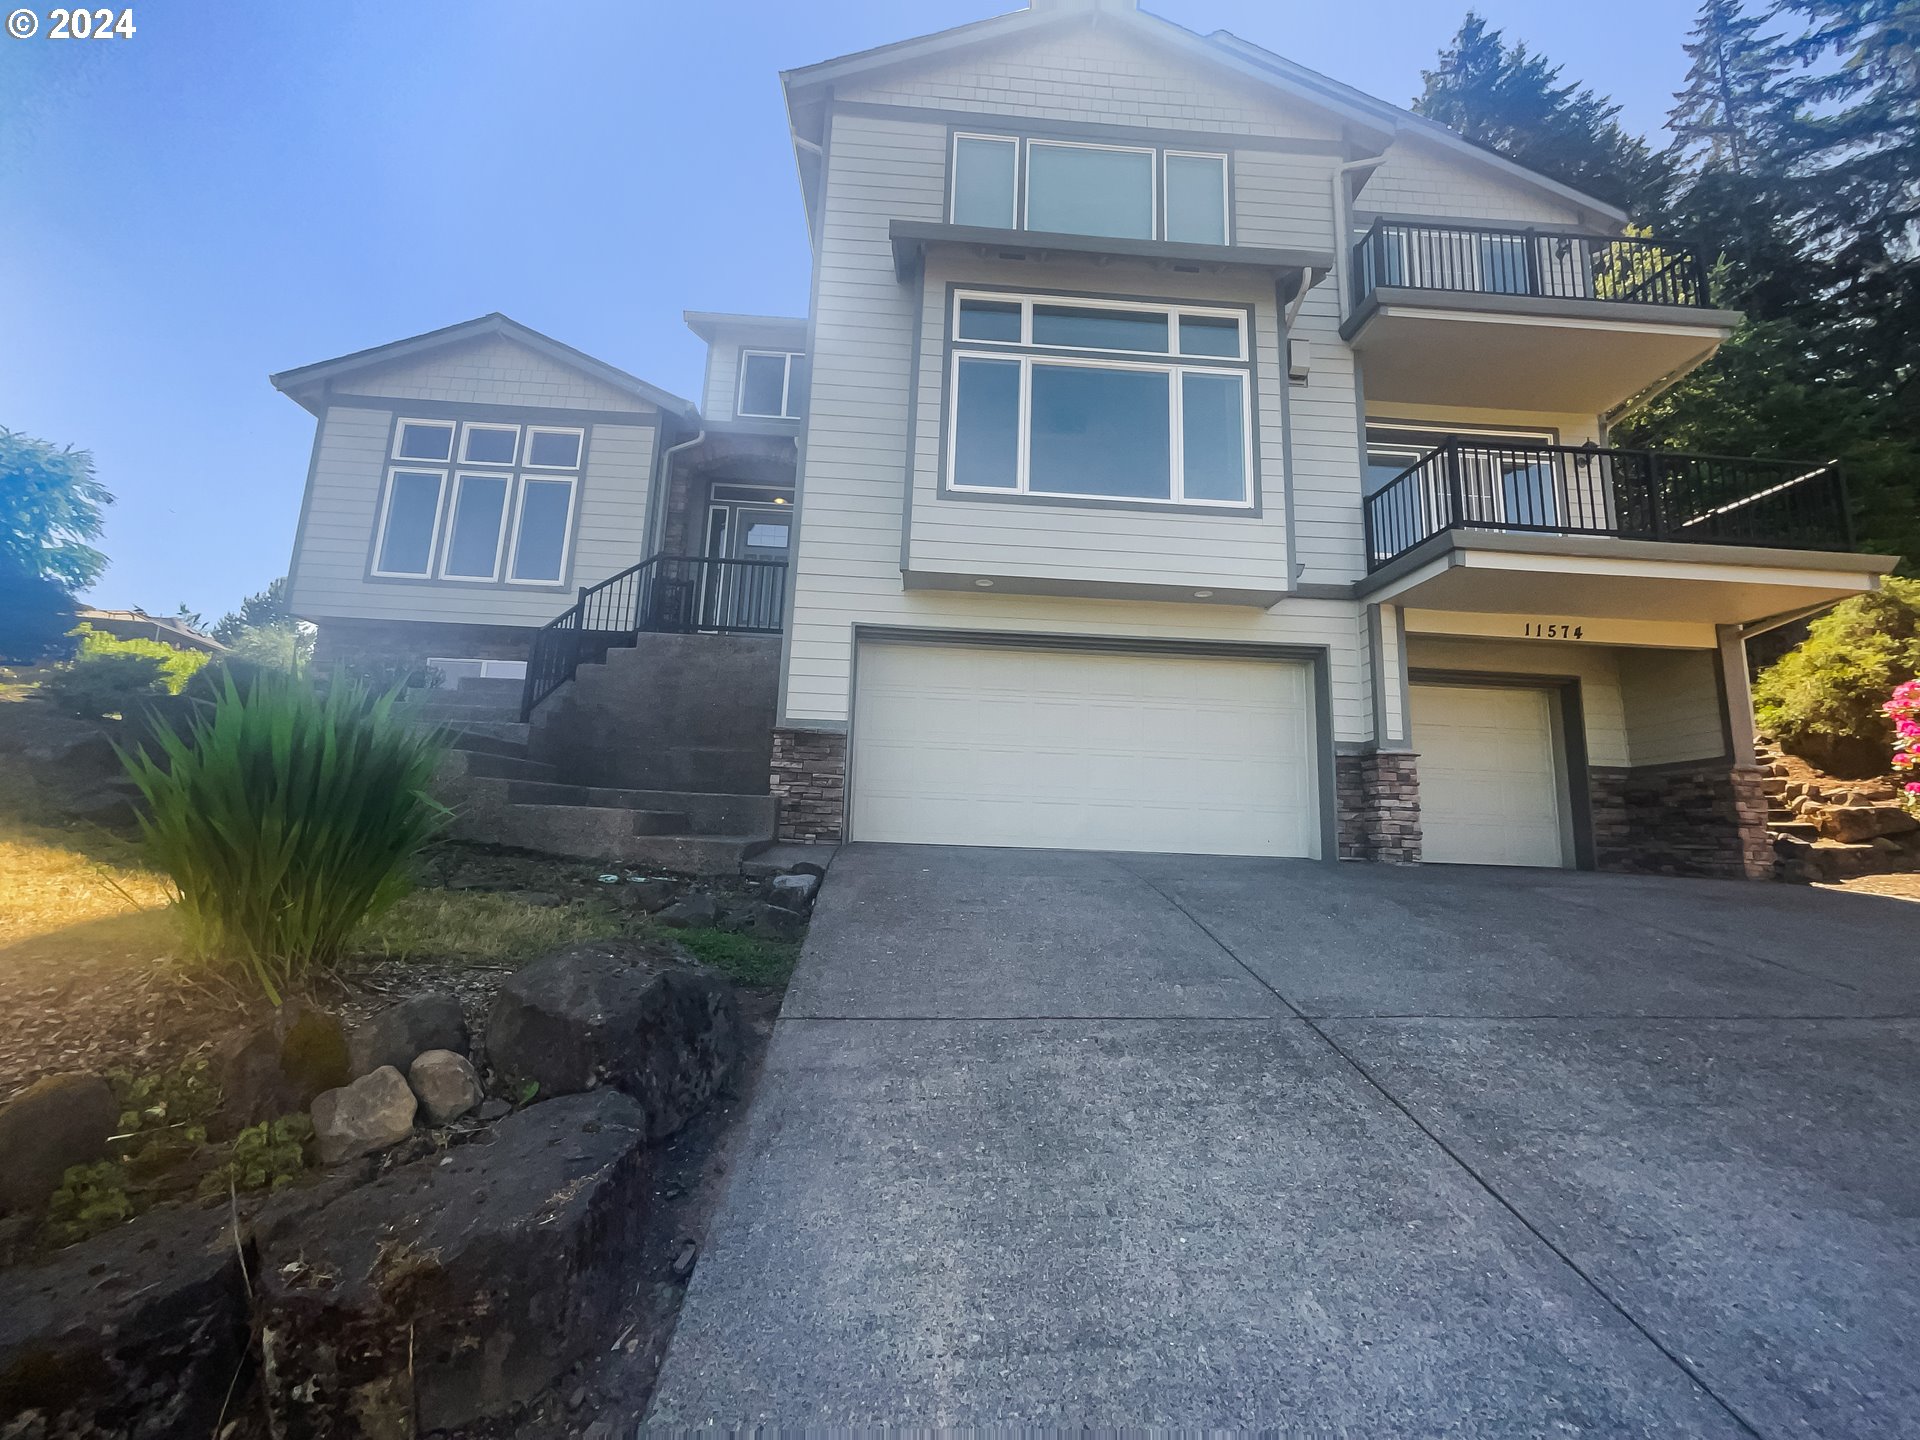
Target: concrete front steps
x=501 y=796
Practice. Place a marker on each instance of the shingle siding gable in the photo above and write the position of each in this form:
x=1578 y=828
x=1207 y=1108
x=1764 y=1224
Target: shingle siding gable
x=1094 y=74
x=490 y=371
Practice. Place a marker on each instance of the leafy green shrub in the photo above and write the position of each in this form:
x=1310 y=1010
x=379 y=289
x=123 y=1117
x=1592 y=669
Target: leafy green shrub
x=177 y=667
x=109 y=676
x=1824 y=700
x=264 y=1157
x=285 y=819
x=98 y=685
x=91 y=1199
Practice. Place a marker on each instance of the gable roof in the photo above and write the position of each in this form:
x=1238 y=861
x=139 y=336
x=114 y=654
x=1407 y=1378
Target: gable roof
x=307 y=384
x=1371 y=123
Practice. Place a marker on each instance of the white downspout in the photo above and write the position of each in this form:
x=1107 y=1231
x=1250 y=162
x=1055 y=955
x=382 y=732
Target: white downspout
x=666 y=486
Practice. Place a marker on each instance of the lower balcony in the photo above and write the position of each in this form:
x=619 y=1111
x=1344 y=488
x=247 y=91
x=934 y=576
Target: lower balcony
x=1565 y=531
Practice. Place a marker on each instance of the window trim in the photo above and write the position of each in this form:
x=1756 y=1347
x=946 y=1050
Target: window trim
x=579 y=434
x=1173 y=365
x=572 y=481
x=466 y=431
x=401 y=422
x=1023 y=174
x=386 y=518
x=445 y=542
x=1155 y=222
x=1018 y=196
x=786 y=385
x=1226 y=190
x=1173 y=310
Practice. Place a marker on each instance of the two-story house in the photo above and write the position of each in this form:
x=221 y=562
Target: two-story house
x=1183 y=452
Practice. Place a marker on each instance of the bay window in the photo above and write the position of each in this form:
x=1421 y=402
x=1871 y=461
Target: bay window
x=509 y=521
x=1076 y=187
x=1101 y=400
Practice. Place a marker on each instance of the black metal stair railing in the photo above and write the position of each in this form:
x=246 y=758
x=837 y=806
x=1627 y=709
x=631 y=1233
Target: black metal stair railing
x=1481 y=260
x=1628 y=494
x=674 y=594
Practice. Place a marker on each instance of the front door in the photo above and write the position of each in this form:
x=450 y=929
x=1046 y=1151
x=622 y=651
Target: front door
x=745 y=592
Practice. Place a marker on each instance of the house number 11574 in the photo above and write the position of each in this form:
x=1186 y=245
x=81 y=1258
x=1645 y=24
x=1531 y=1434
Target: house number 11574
x=1553 y=630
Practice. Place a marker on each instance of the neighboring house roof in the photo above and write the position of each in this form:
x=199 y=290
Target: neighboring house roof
x=136 y=624
x=307 y=384
x=709 y=323
x=1372 y=123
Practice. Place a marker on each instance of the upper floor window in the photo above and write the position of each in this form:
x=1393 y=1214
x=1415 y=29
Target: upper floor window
x=1108 y=400
x=773 y=384
x=1072 y=187
x=509 y=518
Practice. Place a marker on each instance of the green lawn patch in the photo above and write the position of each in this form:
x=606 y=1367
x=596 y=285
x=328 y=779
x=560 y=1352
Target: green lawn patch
x=742 y=958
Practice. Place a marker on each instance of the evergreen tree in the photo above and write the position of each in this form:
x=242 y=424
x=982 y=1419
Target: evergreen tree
x=1730 y=117
x=268 y=607
x=1513 y=102
x=1855 y=153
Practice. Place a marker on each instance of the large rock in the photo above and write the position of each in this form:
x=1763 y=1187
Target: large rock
x=400 y=1033
x=279 y=1064
x=690 y=912
x=452 y=1290
x=138 y=1332
x=445 y=1085
x=1857 y=824
x=372 y=1113
x=617 y=1013
x=55 y=1123
x=795 y=891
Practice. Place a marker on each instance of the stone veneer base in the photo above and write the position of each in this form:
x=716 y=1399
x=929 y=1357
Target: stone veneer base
x=1707 y=819
x=809 y=782
x=1378 y=796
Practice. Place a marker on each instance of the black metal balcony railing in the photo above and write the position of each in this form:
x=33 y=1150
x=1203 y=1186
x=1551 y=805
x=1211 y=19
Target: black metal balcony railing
x=1483 y=261
x=1631 y=494
x=675 y=594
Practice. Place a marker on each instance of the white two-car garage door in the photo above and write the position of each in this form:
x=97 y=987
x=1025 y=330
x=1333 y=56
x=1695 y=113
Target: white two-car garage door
x=1490 y=789
x=1085 y=750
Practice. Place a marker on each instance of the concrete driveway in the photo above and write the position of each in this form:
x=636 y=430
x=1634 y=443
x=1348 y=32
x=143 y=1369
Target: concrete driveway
x=1062 y=1139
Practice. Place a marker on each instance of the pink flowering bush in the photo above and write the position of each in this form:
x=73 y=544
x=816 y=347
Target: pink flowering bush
x=1903 y=709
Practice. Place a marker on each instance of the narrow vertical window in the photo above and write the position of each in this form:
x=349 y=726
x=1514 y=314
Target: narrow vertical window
x=1212 y=437
x=1197 y=198
x=986 y=447
x=473 y=537
x=412 y=521
x=983 y=180
x=540 y=531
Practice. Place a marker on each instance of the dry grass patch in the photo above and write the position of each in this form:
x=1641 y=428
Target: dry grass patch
x=481 y=927
x=49 y=884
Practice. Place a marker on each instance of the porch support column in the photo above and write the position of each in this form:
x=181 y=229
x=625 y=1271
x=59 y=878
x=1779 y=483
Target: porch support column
x=1387 y=650
x=1736 y=692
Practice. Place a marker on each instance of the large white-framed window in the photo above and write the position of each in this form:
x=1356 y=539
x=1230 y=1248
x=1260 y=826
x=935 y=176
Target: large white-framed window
x=542 y=530
x=1112 y=400
x=501 y=514
x=410 y=516
x=1085 y=187
x=773 y=384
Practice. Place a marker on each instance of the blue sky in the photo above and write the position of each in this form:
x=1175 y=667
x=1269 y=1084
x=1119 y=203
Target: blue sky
x=243 y=187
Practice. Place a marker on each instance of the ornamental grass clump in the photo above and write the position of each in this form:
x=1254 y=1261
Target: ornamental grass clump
x=285 y=820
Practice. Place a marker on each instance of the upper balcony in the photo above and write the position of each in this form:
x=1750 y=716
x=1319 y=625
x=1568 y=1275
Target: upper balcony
x=1470 y=315
x=1560 y=531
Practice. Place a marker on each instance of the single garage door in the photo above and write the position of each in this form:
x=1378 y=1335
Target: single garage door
x=1490 y=791
x=1085 y=750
